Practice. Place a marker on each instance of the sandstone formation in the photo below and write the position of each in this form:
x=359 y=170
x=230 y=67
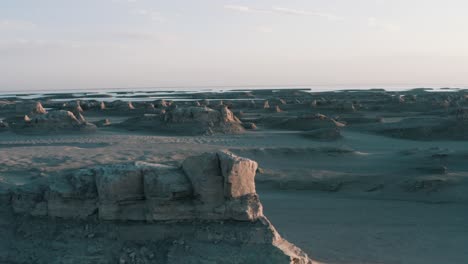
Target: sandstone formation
x=74 y=106
x=209 y=204
x=189 y=120
x=39 y=109
x=204 y=120
x=53 y=121
x=29 y=107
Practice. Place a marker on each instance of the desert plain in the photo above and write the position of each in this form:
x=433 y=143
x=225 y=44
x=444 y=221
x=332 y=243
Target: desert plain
x=240 y=176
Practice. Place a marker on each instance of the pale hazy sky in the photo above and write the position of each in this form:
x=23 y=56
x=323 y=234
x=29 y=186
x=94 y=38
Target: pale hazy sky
x=74 y=44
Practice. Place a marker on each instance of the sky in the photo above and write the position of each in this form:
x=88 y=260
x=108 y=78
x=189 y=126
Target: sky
x=87 y=44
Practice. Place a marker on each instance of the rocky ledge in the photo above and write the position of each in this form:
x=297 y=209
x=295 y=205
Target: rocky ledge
x=205 y=211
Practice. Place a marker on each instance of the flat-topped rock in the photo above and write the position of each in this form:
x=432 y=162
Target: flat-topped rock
x=209 y=186
x=209 y=207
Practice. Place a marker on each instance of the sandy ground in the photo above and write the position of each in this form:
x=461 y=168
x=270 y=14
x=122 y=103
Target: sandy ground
x=345 y=226
x=337 y=229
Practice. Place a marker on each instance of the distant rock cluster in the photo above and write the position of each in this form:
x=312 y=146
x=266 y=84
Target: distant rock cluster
x=192 y=120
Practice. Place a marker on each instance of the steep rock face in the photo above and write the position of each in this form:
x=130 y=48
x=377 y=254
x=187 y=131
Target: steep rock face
x=72 y=196
x=238 y=174
x=206 y=211
x=205 y=176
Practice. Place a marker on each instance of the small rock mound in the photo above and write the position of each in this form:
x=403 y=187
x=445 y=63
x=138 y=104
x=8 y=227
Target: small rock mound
x=202 y=120
x=29 y=108
x=310 y=122
x=188 y=121
x=54 y=121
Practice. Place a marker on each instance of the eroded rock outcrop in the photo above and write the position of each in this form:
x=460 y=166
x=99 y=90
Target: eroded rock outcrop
x=202 y=120
x=213 y=186
x=191 y=120
x=54 y=121
x=29 y=107
x=167 y=203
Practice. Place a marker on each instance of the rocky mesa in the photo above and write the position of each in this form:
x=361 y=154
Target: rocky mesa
x=204 y=211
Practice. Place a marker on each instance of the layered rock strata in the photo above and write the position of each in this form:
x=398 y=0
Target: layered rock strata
x=208 y=206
